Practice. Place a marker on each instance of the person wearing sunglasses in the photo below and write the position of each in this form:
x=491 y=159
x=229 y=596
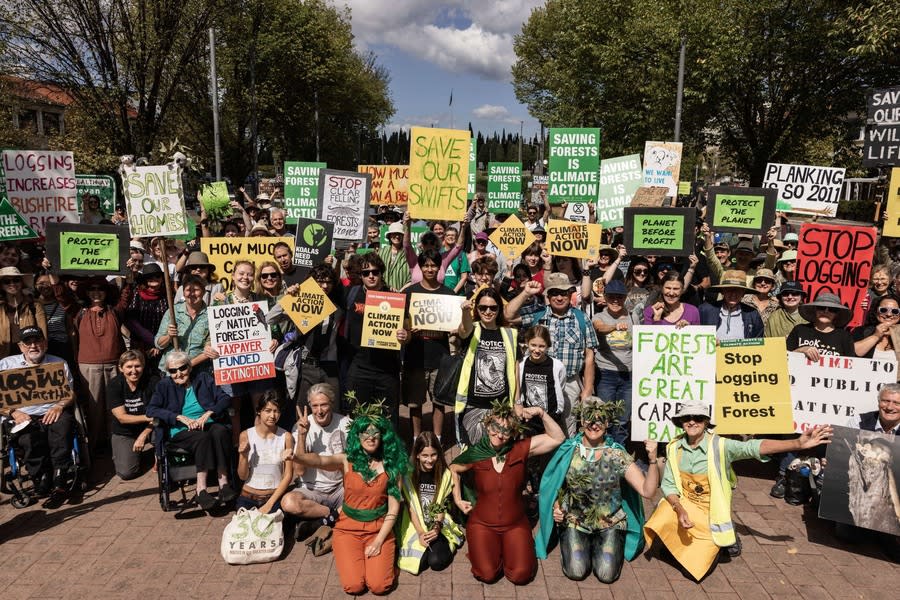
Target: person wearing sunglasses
x=782 y=321
x=693 y=519
x=824 y=334
x=874 y=341
x=192 y=408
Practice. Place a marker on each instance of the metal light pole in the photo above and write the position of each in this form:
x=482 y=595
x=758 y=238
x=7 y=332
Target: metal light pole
x=521 y=125
x=214 y=85
x=680 y=91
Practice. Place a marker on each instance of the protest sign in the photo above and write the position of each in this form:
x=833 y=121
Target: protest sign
x=31 y=386
x=435 y=312
x=41 y=186
x=578 y=240
x=191 y=234
x=574 y=165
x=102 y=186
x=313 y=243
x=154 y=198
x=670 y=367
x=837 y=259
x=473 y=169
x=883 y=105
x=753 y=390
x=438 y=173
x=649 y=196
x=344 y=201
x=301 y=190
x=835 y=388
x=512 y=237
x=539 y=185
x=620 y=178
x=892 y=220
x=382 y=318
x=241 y=336
x=309 y=307
x=389 y=184
x=662 y=165
x=881 y=145
x=415 y=233
x=860 y=484
x=684 y=188
x=805 y=190
x=740 y=209
x=577 y=212
x=504 y=187
x=224 y=251
x=12 y=225
x=214 y=198
x=662 y=231
x=269 y=185
x=86 y=249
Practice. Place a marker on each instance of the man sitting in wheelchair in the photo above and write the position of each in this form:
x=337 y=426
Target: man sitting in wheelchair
x=47 y=438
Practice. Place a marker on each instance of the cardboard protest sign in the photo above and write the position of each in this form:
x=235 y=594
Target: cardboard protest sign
x=512 y=237
x=12 y=225
x=86 y=249
x=415 y=233
x=577 y=212
x=883 y=105
x=860 y=485
x=309 y=307
x=578 y=240
x=41 y=186
x=435 y=312
x=620 y=178
x=649 y=196
x=382 y=318
x=102 y=186
x=661 y=231
x=837 y=259
x=191 y=234
x=574 y=165
x=836 y=388
x=741 y=210
x=473 y=169
x=241 y=336
x=504 y=187
x=753 y=390
x=31 y=386
x=313 y=243
x=224 y=251
x=438 y=173
x=301 y=190
x=344 y=201
x=390 y=184
x=662 y=165
x=892 y=220
x=670 y=367
x=881 y=145
x=804 y=189
x=154 y=199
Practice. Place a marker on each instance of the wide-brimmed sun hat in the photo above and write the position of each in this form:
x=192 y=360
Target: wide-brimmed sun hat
x=827 y=300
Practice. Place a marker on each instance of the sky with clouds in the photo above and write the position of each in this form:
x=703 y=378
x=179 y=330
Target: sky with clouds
x=431 y=47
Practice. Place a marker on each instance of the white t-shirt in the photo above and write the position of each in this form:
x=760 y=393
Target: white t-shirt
x=328 y=441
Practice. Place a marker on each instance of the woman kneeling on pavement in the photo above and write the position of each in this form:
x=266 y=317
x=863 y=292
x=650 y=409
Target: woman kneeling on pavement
x=693 y=520
x=598 y=519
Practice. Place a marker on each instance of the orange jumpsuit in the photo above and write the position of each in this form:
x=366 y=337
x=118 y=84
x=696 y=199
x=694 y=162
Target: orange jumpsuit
x=351 y=538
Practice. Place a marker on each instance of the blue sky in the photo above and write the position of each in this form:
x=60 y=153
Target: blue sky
x=431 y=47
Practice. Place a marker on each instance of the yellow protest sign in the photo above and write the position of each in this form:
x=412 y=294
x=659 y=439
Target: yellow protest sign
x=435 y=312
x=577 y=240
x=753 y=390
x=892 y=222
x=438 y=173
x=390 y=184
x=512 y=237
x=382 y=317
x=309 y=307
x=224 y=251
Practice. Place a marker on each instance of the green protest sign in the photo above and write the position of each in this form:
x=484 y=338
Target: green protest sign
x=102 y=186
x=740 y=209
x=662 y=231
x=215 y=200
x=620 y=178
x=470 y=189
x=415 y=232
x=504 y=188
x=12 y=225
x=89 y=251
x=574 y=162
x=301 y=190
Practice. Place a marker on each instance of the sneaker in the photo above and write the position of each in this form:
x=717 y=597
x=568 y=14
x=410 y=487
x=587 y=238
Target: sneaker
x=331 y=519
x=206 y=501
x=778 y=489
x=735 y=549
x=227 y=494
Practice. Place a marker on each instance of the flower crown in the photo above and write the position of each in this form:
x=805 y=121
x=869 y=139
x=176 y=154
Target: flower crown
x=372 y=411
x=593 y=410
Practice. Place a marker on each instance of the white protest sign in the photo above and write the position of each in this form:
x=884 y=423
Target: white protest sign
x=804 y=189
x=344 y=201
x=662 y=165
x=836 y=388
x=241 y=336
x=435 y=312
x=155 y=201
x=41 y=186
x=577 y=212
x=670 y=367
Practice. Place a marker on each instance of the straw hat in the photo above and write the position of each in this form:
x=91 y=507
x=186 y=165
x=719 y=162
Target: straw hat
x=733 y=279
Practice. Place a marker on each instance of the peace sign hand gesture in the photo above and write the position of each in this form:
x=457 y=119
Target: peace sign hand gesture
x=303 y=420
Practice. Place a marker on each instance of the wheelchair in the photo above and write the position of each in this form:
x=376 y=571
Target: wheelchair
x=17 y=483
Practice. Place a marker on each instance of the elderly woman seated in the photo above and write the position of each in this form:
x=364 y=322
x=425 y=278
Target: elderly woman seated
x=189 y=405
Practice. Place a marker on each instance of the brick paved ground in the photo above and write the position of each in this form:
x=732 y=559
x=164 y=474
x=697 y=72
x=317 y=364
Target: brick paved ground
x=117 y=543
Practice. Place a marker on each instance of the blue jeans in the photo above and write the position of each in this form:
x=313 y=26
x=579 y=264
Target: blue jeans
x=604 y=551
x=615 y=385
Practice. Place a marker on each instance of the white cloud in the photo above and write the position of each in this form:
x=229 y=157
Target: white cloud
x=490 y=111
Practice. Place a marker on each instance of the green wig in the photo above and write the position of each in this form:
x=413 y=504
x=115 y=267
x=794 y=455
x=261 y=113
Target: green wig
x=391 y=452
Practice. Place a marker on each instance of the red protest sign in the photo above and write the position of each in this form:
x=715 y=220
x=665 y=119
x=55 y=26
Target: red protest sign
x=837 y=259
